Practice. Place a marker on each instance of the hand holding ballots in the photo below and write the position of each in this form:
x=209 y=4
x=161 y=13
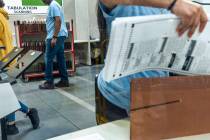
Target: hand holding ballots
x=151 y=43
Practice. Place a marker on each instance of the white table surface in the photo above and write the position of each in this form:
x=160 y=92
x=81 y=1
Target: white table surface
x=118 y=130
x=8 y=100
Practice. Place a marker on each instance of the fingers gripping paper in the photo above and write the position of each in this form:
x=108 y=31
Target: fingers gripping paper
x=151 y=43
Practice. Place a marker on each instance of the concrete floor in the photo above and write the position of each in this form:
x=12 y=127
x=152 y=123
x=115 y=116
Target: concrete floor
x=61 y=111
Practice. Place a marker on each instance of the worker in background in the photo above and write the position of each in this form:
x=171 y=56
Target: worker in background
x=117 y=93
x=5 y=33
x=56 y=35
x=5 y=40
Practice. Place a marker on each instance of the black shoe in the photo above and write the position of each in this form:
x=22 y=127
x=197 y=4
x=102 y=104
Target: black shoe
x=12 y=130
x=62 y=84
x=46 y=85
x=34 y=117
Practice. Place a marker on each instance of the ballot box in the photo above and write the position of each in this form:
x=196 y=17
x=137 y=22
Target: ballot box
x=163 y=108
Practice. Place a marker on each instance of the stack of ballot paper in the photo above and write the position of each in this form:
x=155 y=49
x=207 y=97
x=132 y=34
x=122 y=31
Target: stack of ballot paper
x=8 y=100
x=151 y=43
x=205 y=4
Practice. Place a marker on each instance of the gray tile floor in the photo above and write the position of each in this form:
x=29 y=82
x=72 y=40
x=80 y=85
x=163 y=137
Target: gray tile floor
x=59 y=113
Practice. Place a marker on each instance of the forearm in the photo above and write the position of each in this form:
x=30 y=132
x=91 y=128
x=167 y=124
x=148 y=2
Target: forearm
x=152 y=3
x=57 y=26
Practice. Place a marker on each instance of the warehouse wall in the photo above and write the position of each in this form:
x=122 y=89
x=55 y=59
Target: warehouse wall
x=85 y=17
x=93 y=19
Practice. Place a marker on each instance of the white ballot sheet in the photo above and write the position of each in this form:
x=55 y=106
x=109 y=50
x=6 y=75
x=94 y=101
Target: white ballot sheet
x=151 y=43
x=8 y=100
x=205 y=4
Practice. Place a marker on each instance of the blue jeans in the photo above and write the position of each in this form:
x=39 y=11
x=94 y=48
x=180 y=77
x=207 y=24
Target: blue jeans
x=24 y=109
x=50 y=53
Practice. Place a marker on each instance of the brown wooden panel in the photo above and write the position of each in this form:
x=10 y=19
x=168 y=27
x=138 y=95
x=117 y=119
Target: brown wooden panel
x=170 y=107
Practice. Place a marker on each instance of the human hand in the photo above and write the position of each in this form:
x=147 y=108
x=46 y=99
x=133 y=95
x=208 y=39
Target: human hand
x=53 y=42
x=192 y=16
